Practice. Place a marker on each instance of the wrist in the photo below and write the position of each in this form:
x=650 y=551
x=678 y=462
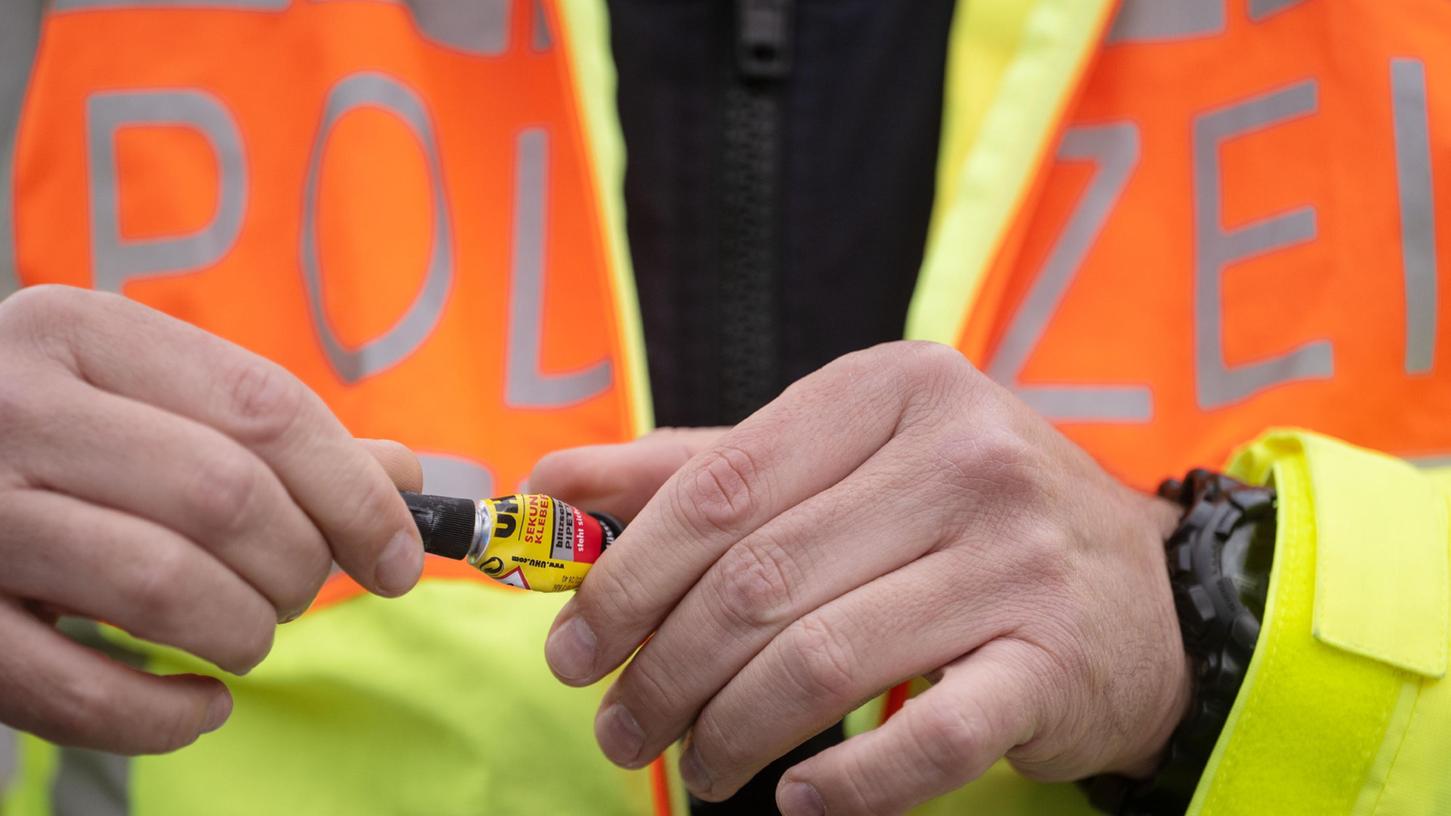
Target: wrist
x=1162 y=516
x=1218 y=559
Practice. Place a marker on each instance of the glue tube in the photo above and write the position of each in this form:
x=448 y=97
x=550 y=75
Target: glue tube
x=526 y=540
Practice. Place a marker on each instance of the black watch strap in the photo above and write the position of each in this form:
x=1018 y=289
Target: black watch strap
x=1219 y=560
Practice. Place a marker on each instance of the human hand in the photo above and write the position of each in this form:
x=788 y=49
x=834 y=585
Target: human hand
x=896 y=514
x=187 y=491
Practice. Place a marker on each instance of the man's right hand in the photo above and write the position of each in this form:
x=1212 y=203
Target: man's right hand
x=165 y=481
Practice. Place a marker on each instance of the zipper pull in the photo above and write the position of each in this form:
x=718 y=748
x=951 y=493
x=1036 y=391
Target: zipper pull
x=763 y=38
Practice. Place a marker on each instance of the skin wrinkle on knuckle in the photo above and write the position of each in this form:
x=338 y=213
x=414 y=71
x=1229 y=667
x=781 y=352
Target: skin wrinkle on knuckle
x=82 y=709
x=1049 y=682
x=865 y=797
x=949 y=738
x=717 y=496
x=652 y=695
x=616 y=602
x=152 y=590
x=223 y=491
x=820 y=661
x=264 y=401
x=726 y=759
x=1041 y=559
x=936 y=380
x=755 y=584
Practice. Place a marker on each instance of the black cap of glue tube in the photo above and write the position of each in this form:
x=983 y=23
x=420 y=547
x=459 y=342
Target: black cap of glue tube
x=446 y=524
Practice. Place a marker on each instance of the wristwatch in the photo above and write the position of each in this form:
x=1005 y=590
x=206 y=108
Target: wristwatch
x=1219 y=560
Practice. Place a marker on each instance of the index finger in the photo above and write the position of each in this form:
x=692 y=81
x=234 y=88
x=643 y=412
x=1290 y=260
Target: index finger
x=811 y=437
x=189 y=372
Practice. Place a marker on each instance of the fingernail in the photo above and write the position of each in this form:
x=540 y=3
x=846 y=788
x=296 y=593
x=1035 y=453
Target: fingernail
x=571 y=650
x=217 y=712
x=620 y=735
x=400 y=564
x=800 y=799
x=693 y=772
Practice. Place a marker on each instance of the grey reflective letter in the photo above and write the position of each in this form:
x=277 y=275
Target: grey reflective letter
x=87 y=782
x=8 y=742
x=1418 y=210
x=526 y=386
x=1216 y=383
x=243 y=5
x=1115 y=149
x=19 y=35
x=1157 y=20
x=417 y=323
x=478 y=27
x=1260 y=9
x=543 y=39
x=246 y=5
x=116 y=261
x=448 y=475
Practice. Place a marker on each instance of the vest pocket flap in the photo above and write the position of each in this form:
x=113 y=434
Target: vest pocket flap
x=1383 y=558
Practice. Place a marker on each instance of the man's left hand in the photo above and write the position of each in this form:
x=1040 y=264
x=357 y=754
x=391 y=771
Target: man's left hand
x=894 y=515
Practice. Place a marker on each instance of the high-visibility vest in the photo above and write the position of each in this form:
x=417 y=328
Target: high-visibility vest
x=1167 y=226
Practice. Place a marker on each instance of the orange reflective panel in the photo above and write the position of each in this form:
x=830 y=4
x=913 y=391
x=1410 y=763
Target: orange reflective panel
x=401 y=209
x=1240 y=230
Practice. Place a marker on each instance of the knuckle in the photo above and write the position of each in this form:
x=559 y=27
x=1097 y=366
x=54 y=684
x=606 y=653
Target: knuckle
x=43 y=317
x=614 y=600
x=719 y=493
x=755 y=584
x=265 y=401
x=824 y=663
x=932 y=362
x=1041 y=555
x=41 y=303
x=998 y=463
x=856 y=788
x=940 y=384
x=85 y=711
x=950 y=737
x=719 y=748
x=222 y=492
x=656 y=690
x=155 y=589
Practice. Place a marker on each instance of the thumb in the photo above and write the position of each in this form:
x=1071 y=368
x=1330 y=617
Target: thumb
x=619 y=479
x=398 y=462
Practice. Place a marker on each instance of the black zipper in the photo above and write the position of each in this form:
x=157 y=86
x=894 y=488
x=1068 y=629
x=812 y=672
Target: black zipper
x=750 y=215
